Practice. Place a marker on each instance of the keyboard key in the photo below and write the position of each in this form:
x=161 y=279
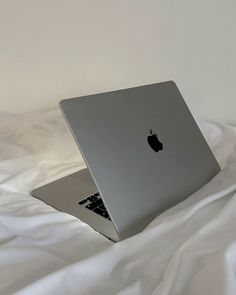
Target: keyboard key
x=102 y=207
x=83 y=201
x=92 y=198
x=97 y=194
x=101 y=212
x=95 y=204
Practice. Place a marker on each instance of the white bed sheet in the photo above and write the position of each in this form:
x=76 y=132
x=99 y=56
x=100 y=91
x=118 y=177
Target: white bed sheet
x=190 y=249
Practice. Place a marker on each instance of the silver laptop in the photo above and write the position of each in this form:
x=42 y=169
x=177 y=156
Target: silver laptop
x=144 y=153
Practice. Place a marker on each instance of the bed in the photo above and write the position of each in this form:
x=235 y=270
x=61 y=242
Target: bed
x=189 y=249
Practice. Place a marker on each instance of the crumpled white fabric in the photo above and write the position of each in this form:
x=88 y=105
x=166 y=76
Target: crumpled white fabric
x=189 y=249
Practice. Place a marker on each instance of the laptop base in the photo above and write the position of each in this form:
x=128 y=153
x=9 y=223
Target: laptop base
x=68 y=192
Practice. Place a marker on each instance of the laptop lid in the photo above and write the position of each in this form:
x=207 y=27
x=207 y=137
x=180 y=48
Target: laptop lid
x=143 y=148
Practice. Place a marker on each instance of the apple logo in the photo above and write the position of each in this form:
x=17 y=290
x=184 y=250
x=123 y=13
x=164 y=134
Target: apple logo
x=153 y=141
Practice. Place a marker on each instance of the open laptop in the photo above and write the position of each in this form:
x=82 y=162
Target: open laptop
x=144 y=153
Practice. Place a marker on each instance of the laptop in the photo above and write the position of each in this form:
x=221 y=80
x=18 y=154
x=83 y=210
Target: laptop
x=144 y=153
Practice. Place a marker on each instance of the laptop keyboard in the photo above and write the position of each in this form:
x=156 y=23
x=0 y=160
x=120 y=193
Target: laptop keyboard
x=95 y=203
